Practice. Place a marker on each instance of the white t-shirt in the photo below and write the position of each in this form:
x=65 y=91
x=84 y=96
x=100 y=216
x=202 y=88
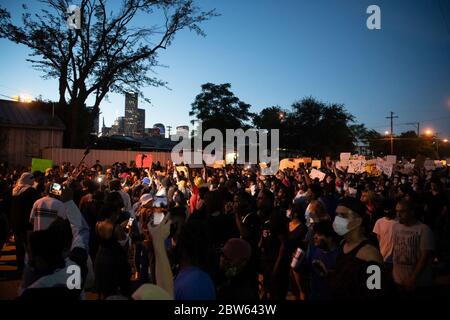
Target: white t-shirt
x=409 y=241
x=383 y=229
x=45 y=210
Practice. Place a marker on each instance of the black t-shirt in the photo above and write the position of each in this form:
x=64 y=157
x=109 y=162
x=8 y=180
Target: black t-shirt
x=272 y=227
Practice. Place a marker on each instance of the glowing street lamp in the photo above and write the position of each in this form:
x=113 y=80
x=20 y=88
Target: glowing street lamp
x=386 y=133
x=445 y=141
x=428 y=132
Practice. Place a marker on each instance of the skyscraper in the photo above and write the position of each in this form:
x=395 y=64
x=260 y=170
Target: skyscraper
x=134 y=117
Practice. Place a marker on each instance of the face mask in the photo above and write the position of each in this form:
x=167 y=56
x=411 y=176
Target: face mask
x=288 y=214
x=308 y=218
x=340 y=225
x=403 y=181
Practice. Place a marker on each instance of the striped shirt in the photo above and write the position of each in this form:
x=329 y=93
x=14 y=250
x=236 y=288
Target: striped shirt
x=45 y=211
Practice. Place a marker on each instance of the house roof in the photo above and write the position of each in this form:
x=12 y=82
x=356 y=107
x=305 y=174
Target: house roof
x=26 y=115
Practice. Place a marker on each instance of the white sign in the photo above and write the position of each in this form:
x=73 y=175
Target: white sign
x=384 y=167
x=317 y=174
x=356 y=166
x=344 y=158
x=391 y=159
x=429 y=165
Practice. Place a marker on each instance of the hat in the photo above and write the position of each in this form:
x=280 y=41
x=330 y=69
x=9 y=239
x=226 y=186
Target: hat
x=237 y=251
x=353 y=204
x=150 y=292
x=26 y=178
x=145 y=198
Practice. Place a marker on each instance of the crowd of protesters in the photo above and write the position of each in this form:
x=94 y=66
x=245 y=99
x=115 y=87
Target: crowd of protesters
x=226 y=234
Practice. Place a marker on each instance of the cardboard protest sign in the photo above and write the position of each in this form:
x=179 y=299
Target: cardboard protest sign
x=183 y=169
x=143 y=160
x=40 y=164
x=317 y=174
x=356 y=166
x=316 y=164
x=219 y=164
x=391 y=159
x=287 y=163
x=429 y=165
x=384 y=167
x=344 y=158
x=371 y=168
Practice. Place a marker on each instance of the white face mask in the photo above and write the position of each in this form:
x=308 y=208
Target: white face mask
x=288 y=213
x=340 y=225
x=308 y=218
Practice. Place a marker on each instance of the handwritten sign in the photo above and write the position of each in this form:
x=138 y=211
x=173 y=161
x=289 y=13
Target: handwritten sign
x=344 y=159
x=384 y=167
x=391 y=159
x=317 y=174
x=356 y=166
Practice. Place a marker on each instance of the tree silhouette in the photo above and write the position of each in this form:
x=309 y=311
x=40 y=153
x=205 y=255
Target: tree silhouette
x=217 y=107
x=109 y=53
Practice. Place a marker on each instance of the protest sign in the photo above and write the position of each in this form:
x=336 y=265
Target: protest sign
x=287 y=163
x=391 y=159
x=316 y=164
x=344 y=158
x=143 y=160
x=183 y=169
x=356 y=166
x=317 y=174
x=384 y=167
x=429 y=165
x=40 y=164
x=219 y=164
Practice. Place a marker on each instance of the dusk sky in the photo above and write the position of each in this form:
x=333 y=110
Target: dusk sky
x=277 y=52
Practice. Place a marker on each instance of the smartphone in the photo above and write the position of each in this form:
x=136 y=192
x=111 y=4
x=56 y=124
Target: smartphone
x=56 y=189
x=130 y=223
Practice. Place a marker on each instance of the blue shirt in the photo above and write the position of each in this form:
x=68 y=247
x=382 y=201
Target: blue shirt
x=192 y=283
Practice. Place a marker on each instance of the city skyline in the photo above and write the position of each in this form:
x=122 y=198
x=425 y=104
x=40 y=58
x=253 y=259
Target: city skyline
x=322 y=50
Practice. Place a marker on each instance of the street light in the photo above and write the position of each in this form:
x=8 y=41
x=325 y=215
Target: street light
x=445 y=141
x=428 y=132
x=386 y=133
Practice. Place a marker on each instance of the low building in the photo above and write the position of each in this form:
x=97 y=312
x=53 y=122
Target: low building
x=25 y=130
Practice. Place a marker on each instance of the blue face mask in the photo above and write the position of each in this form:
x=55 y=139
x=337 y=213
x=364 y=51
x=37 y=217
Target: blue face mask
x=309 y=220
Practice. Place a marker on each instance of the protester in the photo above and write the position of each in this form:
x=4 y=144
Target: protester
x=23 y=199
x=413 y=251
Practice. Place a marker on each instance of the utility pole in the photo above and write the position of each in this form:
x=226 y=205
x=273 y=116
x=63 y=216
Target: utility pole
x=392 y=117
x=168 y=129
x=415 y=124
